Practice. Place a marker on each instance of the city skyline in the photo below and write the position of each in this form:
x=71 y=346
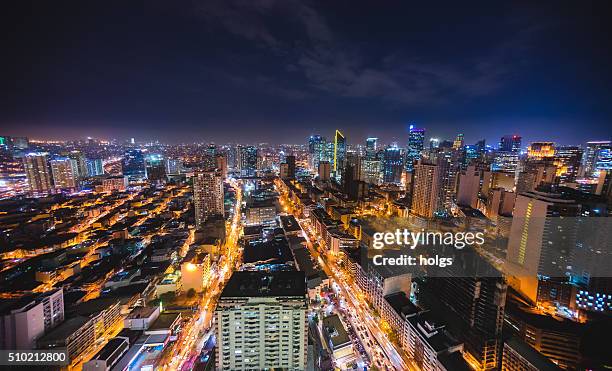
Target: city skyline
x=220 y=71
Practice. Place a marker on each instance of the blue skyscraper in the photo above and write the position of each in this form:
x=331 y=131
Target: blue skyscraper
x=392 y=165
x=416 y=141
x=134 y=164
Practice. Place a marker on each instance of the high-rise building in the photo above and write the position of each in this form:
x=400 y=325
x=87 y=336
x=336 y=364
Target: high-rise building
x=469 y=186
x=95 y=167
x=37 y=170
x=261 y=321
x=248 y=161
x=393 y=165
x=324 y=171
x=317 y=150
x=542 y=238
x=155 y=168
x=173 y=166
x=81 y=162
x=472 y=304
x=597 y=156
x=133 y=165
x=290 y=166
x=567 y=160
x=371 y=170
x=540 y=150
x=207 y=195
x=416 y=142
x=426 y=189
x=221 y=164
x=65 y=173
x=339 y=154
x=458 y=143
x=505 y=161
x=371 y=148
x=510 y=143
x=434 y=143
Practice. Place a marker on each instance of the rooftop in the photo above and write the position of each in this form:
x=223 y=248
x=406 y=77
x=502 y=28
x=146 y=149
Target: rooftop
x=334 y=330
x=265 y=284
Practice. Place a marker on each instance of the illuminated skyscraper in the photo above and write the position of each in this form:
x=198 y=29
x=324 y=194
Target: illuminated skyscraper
x=416 y=141
x=248 y=161
x=567 y=160
x=542 y=238
x=207 y=195
x=339 y=153
x=316 y=150
x=37 y=170
x=155 y=168
x=597 y=156
x=133 y=164
x=393 y=165
x=458 y=143
x=371 y=148
x=541 y=150
x=426 y=189
x=510 y=143
x=65 y=173
x=81 y=162
x=95 y=167
x=261 y=322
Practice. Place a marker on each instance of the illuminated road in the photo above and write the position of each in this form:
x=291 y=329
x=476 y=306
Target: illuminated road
x=190 y=344
x=361 y=313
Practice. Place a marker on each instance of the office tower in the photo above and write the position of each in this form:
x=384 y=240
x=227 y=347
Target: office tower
x=155 y=168
x=505 y=161
x=597 y=156
x=37 y=171
x=65 y=173
x=207 y=195
x=458 y=143
x=471 y=153
x=499 y=202
x=426 y=189
x=290 y=166
x=567 y=160
x=371 y=148
x=283 y=172
x=211 y=150
x=510 y=143
x=339 y=154
x=24 y=320
x=542 y=238
x=316 y=150
x=469 y=186
x=95 y=167
x=416 y=142
x=133 y=165
x=81 y=162
x=324 y=171
x=371 y=171
x=434 y=143
x=248 y=161
x=261 y=321
x=540 y=150
x=392 y=165
x=221 y=164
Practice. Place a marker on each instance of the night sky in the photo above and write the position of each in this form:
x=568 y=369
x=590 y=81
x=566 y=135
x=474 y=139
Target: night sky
x=277 y=71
